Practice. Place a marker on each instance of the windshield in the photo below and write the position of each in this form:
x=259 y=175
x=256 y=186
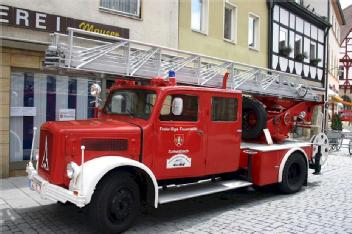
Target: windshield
x=134 y=102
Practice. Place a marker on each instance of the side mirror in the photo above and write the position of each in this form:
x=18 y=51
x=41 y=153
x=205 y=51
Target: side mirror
x=177 y=106
x=95 y=90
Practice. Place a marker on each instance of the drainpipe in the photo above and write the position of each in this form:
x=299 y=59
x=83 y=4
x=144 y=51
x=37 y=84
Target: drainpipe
x=326 y=71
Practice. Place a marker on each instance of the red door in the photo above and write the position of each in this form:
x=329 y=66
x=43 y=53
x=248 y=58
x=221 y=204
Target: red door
x=224 y=127
x=180 y=138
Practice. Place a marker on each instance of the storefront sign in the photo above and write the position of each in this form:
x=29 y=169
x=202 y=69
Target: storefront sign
x=24 y=18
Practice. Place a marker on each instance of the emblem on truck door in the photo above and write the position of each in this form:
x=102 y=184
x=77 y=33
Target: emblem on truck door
x=179 y=139
x=179 y=160
x=45 y=162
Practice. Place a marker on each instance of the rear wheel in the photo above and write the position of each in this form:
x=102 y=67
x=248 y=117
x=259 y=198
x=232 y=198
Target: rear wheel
x=294 y=174
x=115 y=203
x=254 y=118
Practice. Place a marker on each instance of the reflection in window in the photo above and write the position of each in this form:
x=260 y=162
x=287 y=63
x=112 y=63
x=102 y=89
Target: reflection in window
x=229 y=22
x=189 y=112
x=130 y=7
x=312 y=50
x=298 y=46
x=224 y=109
x=253 y=25
x=283 y=39
x=199 y=13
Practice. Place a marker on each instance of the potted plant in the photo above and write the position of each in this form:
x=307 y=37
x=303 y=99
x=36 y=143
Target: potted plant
x=301 y=56
x=336 y=123
x=315 y=62
x=285 y=51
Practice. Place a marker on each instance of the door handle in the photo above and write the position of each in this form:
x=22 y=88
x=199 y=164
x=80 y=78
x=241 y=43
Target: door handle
x=239 y=130
x=200 y=132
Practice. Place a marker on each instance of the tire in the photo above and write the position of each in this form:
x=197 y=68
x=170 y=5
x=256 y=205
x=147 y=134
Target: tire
x=115 y=203
x=254 y=118
x=294 y=174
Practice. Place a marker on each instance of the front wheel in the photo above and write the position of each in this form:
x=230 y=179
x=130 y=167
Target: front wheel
x=294 y=174
x=115 y=203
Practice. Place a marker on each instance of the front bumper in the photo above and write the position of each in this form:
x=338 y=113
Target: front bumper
x=51 y=191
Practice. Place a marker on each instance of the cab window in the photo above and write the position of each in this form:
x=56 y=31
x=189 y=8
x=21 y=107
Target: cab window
x=224 y=109
x=189 y=111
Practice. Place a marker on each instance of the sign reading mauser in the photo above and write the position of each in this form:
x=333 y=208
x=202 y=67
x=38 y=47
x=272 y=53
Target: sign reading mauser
x=24 y=18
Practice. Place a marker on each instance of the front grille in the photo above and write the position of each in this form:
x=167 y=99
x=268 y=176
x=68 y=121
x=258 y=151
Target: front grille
x=93 y=144
x=45 y=151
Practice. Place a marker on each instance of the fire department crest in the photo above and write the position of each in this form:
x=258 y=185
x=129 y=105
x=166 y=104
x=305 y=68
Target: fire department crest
x=45 y=161
x=179 y=139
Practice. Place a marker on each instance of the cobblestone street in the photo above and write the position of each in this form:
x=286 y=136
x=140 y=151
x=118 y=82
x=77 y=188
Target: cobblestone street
x=324 y=206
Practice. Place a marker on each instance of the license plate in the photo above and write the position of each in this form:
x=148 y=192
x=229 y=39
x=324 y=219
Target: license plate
x=35 y=186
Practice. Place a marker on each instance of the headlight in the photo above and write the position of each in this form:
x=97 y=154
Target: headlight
x=72 y=170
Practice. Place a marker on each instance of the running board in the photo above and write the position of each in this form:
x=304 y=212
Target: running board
x=182 y=192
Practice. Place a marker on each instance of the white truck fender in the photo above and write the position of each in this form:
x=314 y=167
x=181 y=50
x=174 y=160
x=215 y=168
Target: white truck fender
x=284 y=159
x=95 y=169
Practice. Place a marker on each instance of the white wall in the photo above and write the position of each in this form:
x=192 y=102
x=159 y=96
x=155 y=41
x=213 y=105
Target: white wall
x=158 y=24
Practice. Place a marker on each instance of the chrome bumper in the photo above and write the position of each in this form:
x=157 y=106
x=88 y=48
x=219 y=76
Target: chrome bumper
x=51 y=191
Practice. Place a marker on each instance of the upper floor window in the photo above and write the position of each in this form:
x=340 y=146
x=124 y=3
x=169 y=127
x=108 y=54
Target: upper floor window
x=199 y=15
x=253 y=31
x=230 y=22
x=128 y=7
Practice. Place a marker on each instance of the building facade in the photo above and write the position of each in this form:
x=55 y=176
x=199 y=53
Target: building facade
x=346 y=55
x=331 y=9
x=227 y=29
x=30 y=95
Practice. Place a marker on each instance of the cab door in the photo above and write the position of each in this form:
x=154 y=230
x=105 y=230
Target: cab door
x=180 y=138
x=224 y=127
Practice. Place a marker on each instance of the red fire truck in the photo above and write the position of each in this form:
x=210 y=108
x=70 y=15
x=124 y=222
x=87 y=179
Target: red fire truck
x=155 y=142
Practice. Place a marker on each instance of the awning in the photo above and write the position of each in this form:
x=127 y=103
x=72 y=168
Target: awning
x=340 y=100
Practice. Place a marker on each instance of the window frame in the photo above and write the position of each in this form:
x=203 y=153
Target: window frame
x=123 y=13
x=234 y=20
x=204 y=17
x=256 y=45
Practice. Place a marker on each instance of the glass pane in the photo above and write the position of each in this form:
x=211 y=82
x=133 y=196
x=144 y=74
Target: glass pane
x=251 y=31
x=37 y=98
x=228 y=24
x=196 y=14
x=189 y=112
x=126 y=6
x=224 y=109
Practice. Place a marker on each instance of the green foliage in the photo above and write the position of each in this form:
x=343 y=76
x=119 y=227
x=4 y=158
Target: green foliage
x=336 y=123
x=346 y=99
x=315 y=62
x=301 y=57
x=285 y=51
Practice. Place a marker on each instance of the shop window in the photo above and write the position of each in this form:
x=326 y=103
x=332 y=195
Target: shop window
x=230 y=22
x=189 y=112
x=128 y=7
x=224 y=109
x=253 y=31
x=37 y=98
x=199 y=15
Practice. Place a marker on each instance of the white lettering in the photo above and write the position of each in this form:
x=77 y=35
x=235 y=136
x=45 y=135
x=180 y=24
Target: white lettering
x=40 y=18
x=4 y=13
x=178 y=151
x=58 y=22
x=22 y=15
